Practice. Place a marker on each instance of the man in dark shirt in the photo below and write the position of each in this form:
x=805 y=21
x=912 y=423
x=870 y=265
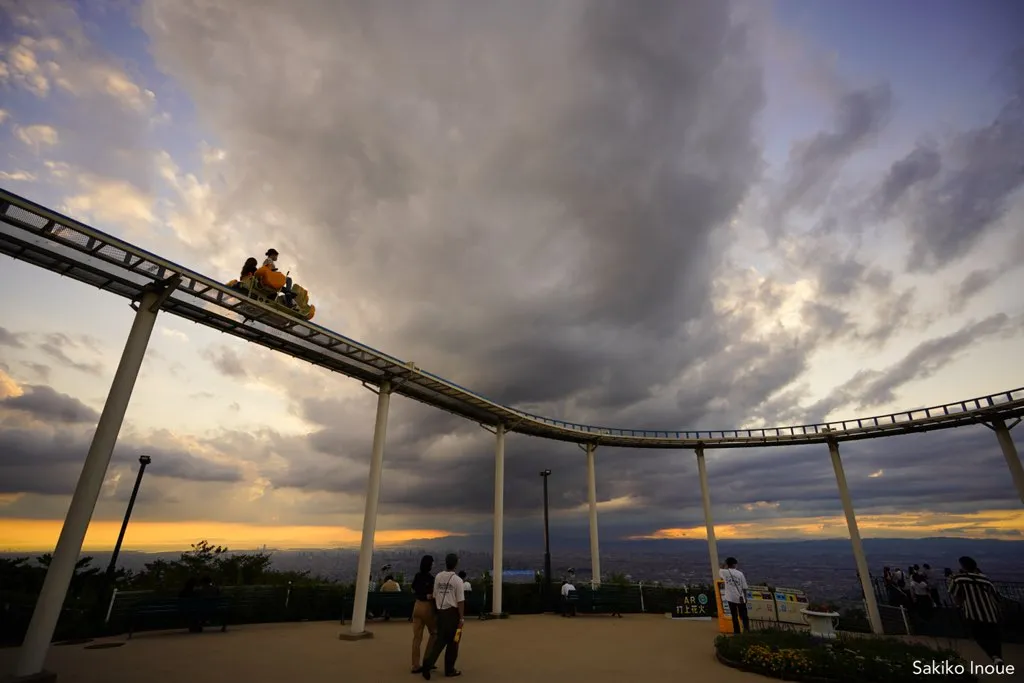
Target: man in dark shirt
x=978 y=601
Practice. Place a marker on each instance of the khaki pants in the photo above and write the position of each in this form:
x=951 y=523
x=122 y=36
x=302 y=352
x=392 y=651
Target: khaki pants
x=423 y=616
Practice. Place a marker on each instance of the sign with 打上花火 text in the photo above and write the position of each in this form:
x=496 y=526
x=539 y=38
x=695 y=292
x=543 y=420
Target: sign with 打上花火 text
x=693 y=605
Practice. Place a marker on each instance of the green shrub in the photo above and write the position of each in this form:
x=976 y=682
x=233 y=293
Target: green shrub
x=796 y=654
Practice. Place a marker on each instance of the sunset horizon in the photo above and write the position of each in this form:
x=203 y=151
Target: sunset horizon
x=19 y=535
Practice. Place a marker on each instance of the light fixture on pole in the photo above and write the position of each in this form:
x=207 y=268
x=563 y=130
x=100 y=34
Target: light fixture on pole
x=143 y=461
x=547 y=541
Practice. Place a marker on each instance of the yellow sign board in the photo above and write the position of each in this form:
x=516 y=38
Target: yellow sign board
x=761 y=604
x=781 y=606
x=788 y=603
x=724 y=613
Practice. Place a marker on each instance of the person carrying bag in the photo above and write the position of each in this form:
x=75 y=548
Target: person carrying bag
x=735 y=594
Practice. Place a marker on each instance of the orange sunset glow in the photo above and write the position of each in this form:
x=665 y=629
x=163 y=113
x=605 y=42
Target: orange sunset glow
x=994 y=524
x=25 y=535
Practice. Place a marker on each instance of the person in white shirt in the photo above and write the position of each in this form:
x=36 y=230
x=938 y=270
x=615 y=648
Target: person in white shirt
x=466 y=585
x=450 y=598
x=569 y=606
x=735 y=593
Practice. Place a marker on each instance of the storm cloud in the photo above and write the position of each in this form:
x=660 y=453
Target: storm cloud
x=44 y=403
x=567 y=207
x=47 y=458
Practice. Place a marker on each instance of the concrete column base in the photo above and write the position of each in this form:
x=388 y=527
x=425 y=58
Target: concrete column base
x=41 y=677
x=348 y=635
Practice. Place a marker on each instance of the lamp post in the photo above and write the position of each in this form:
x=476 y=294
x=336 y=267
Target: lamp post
x=547 y=542
x=143 y=461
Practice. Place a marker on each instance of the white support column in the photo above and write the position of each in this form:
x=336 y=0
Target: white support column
x=595 y=546
x=705 y=494
x=499 y=520
x=362 y=589
x=32 y=656
x=874 y=618
x=1010 y=453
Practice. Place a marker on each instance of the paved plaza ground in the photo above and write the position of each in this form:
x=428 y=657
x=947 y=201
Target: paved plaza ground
x=647 y=648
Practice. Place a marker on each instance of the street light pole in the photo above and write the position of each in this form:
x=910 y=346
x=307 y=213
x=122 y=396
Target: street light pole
x=143 y=461
x=547 y=542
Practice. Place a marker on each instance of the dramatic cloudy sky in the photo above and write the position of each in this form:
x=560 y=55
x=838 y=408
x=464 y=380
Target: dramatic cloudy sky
x=658 y=214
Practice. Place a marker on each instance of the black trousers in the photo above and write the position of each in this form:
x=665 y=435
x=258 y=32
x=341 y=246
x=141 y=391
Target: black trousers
x=447 y=625
x=987 y=636
x=739 y=613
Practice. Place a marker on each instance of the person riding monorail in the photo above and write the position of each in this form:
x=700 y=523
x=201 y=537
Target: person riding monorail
x=249 y=269
x=271 y=260
x=271 y=263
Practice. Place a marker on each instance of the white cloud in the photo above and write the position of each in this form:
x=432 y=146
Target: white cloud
x=21 y=65
x=68 y=61
x=109 y=200
x=85 y=79
x=22 y=176
x=4 y=114
x=174 y=334
x=58 y=169
x=37 y=135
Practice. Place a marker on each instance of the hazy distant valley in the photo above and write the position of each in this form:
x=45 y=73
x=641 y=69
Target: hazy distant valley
x=823 y=568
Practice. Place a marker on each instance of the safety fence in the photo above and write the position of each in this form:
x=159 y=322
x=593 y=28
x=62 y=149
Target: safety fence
x=83 y=618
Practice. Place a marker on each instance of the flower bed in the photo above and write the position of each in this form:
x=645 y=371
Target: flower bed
x=796 y=656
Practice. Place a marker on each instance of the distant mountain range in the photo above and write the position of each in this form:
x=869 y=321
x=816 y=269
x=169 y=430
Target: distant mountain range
x=783 y=562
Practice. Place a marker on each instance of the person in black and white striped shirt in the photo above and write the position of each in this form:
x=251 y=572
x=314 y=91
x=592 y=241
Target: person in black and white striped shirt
x=978 y=601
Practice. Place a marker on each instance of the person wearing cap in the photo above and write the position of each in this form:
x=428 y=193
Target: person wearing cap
x=271 y=262
x=450 y=598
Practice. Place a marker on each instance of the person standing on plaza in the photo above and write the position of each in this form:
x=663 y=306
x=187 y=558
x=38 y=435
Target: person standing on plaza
x=735 y=594
x=978 y=601
x=450 y=598
x=423 y=613
x=467 y=588
x=933 y=591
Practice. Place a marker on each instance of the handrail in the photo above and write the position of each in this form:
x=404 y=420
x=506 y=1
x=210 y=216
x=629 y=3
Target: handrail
x=46 y=238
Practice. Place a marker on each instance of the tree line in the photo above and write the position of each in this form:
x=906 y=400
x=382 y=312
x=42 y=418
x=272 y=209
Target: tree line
x=225 y=568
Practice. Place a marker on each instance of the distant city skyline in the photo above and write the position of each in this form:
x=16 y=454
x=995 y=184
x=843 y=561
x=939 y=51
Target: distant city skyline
x=700 y=215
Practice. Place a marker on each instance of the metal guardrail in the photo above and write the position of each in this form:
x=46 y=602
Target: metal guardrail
x=45 y=238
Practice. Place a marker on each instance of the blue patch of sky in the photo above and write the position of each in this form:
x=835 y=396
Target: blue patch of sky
x=942 y=60
x=941 y=57
x=119 y=34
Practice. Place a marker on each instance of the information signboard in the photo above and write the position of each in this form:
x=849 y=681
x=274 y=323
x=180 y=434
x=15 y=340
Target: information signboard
x=693 y=604
x=761 y=604
x=788 y=603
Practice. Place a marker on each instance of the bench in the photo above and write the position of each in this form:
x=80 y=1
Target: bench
x=607 y=599
x=196 y=609
x=383 y=604
x=387 y=604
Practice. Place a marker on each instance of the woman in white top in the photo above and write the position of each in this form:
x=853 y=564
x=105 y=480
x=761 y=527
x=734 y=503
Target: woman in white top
x=735 y=593
x=921 y=596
